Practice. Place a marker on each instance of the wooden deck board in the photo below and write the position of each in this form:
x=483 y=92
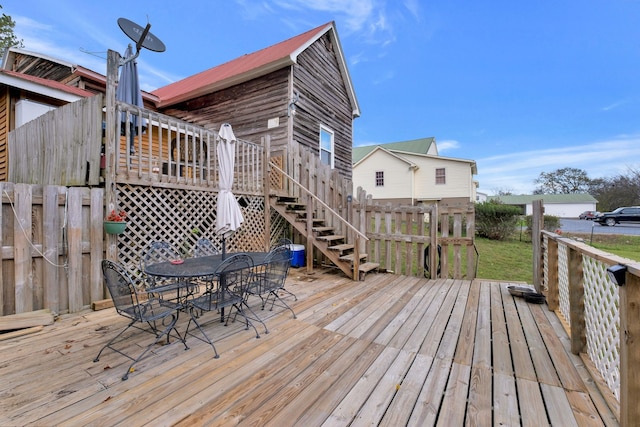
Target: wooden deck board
x=391 y=350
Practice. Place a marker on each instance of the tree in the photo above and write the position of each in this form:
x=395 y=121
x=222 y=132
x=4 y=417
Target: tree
x=503 y=191
x=7 y=36
x=621 y=190
x=562 y=181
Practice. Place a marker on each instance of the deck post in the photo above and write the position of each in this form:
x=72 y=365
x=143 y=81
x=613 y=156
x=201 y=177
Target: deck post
x=553 y=300
x=537 y=225
x=266 y=144
x=576 y=302
x=630 y=347
x=433 y=241
x=113 y=60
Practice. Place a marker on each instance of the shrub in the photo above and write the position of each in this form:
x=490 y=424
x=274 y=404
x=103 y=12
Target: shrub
x=496 y=221
x=551 y=223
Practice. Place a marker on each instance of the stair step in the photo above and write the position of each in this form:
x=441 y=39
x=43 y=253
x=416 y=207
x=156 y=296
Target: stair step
x=368 y=266
x=351 y=257
x=314 y=220
x=322 y=229
x=330 y=238
x=295 y=206
x=341 y=248
x=285 y=199
x=365 y=268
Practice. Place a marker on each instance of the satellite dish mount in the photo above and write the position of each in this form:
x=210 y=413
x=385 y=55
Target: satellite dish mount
x=141 y=36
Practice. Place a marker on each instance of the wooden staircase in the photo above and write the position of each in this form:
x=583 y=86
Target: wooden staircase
x=334 y=246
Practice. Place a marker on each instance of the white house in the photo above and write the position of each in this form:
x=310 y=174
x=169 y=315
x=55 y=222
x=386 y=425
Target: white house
x=412 y=172
x=560 y=205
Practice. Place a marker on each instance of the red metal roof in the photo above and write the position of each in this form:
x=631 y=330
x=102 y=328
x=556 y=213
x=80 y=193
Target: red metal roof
x=239 y=70
x=49 y=83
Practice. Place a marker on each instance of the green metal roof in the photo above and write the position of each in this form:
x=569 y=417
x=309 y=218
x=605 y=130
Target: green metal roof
x=417 y=146
x=523 y=199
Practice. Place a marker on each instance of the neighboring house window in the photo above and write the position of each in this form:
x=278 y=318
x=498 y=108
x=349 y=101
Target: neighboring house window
x=441 y=177
x=379 y=178
x=326 y=146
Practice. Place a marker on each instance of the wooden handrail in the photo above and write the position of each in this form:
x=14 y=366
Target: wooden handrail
x=351 y=227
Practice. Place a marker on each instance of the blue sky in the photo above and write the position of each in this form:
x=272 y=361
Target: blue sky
x=519 y=87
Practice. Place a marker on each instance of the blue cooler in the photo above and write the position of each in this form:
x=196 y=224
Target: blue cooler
x=297 y=255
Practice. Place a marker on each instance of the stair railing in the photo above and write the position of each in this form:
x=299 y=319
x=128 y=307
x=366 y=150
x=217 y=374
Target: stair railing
x=359 y=237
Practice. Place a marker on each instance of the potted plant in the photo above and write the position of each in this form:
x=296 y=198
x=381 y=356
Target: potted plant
x=115 y=222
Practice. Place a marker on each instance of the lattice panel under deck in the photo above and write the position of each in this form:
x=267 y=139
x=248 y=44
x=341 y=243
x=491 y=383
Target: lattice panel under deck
x=602 y=320
x=181 y=217
x=563 y=280
x=276 y=179
x=280 y=228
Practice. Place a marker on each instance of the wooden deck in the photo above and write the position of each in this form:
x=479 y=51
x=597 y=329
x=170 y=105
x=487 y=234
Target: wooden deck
x=392 y=350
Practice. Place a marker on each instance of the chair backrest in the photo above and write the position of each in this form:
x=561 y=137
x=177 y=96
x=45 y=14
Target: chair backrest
x=278 y=262
x=204 y=247
x=235 y=273
x=286 y=244
x=157 y=252
x=121 y=288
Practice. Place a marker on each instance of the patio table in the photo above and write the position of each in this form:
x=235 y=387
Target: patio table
x=193 y=268
x=197 y=267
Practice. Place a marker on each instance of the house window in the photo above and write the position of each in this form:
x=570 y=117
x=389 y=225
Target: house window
x=326 y=146
x=441 y=177
x=379 y=178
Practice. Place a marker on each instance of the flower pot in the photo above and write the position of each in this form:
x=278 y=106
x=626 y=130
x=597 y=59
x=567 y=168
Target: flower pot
x=114 y=227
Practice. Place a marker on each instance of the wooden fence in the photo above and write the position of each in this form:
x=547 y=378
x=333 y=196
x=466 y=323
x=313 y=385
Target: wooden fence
x=398 y=234
x=401 y=238
x=61 y=147
x=601 y=317
x=52 y=245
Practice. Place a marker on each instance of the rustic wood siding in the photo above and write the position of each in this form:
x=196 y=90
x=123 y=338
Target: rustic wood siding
x=247 y=107
x=323 y=101
x=4 y=130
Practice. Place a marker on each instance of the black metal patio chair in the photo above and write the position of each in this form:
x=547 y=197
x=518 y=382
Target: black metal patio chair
x=268 y=282
x=140 y=307
x=160 y=251
x=283 y=242
x=204 y=247
x=234 y=275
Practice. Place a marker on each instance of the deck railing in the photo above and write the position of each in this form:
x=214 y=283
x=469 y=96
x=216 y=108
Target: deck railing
x=602 y=318
x=156 y=148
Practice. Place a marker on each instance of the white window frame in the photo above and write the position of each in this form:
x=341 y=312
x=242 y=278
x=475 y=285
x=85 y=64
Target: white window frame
x=379 y=179
x=329 y=132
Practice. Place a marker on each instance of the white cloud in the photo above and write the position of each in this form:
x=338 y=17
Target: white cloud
x=414 y=7
x=447 y=144
x=357 y=12
x=613 y=106
x=517 y=171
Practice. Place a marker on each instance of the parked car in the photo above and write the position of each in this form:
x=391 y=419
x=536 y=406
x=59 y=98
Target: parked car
x=588 y=214
x=624 y=214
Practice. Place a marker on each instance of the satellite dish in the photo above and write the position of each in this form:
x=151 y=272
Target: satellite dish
x=141 y=36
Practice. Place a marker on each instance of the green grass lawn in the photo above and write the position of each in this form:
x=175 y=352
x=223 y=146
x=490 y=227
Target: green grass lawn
x=625 y=246
x=512 y=259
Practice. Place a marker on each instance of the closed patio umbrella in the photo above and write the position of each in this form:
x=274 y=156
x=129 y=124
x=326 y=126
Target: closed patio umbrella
x=128 y=91
x=228 y=214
